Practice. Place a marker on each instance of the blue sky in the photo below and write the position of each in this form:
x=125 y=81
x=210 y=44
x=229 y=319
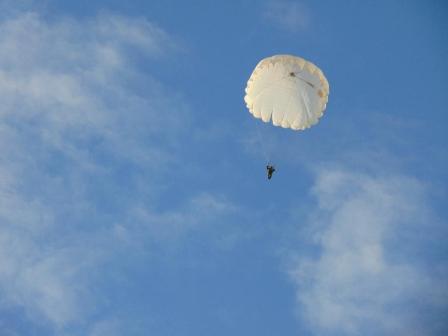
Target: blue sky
x=133 y=195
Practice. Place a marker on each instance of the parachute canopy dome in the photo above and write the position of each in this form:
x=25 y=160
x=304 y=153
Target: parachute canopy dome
x=288 y=90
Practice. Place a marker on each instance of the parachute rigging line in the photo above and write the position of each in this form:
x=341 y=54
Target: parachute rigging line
x=266 y=155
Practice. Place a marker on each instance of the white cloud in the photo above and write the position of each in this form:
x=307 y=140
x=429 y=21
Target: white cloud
x=289 y=15
x=368 y=276
x=78 y=126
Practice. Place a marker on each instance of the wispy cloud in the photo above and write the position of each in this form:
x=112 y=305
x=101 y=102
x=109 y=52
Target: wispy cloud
x=370 y=274
x=82 y=134
x=289 y=15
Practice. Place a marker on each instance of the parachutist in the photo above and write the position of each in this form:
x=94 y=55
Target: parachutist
x=270 y=170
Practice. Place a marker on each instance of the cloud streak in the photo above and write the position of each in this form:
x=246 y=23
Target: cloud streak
x=287 y=15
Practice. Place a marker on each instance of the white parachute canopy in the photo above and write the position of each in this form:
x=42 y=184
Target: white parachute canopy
x=288 y=90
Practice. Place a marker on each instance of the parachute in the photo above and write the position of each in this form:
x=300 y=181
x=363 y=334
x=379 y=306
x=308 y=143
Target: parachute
x=287 y=90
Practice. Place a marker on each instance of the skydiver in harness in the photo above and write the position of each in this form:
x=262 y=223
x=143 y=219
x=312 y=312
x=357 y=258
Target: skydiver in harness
x=270 y=170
